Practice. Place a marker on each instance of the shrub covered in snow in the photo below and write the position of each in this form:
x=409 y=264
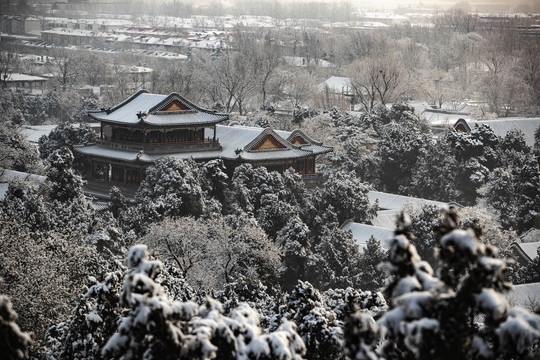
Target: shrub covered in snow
x=157 y=327
x=65 y=135
x=319 y=327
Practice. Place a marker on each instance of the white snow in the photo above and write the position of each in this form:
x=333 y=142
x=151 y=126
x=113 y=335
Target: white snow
x=492 y=303
x=94 y=317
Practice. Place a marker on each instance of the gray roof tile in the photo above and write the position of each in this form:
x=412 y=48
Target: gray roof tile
x=233 y=140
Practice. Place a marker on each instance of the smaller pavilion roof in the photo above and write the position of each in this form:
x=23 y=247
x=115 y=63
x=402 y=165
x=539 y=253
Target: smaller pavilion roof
x=363 y=232
x=528 y=251
x=337 y=84
x=6 y=176
x=158 y=110
x=501 y=126
x=525 y=295
x=389 y=201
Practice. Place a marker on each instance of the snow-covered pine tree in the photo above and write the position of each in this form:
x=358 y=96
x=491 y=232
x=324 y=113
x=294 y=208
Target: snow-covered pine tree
x=66 y=185
x=346 y=195
x=514 y=193
x=65 y=135
x=371 y=277
x=294 y=240
x=536 y=147
x=16 y=152
x=159 y=328
x=400 y=148
x=319 y=327
x=434 y=316
x=172 y=187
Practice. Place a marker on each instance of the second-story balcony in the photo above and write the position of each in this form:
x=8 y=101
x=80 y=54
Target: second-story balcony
x=206 y=144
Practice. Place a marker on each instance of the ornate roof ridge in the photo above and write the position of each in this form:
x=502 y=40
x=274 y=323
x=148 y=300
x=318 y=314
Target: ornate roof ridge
x=117 y=106
x=155 y=110
x=261 y=136
x=298 y=132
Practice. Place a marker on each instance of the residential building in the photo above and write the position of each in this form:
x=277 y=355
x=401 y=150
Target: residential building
x=24 y=83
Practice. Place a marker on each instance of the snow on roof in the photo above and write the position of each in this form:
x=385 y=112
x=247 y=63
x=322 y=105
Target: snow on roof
x=77 y=32
x=99 y=205
x=142 y=107
x=528 y=250
x=336 y=83
x=380 y=15
x=357 y=114
x=397 y=202
x=362 y=233
x=531 y=235
x=100 y=21
x=107 y=152
x=356 y=24
x=442 y=116
x=33 y=133
x=23 y=77
x=6 y=176
x=502 y=126
x=525 y=295
x=135 y=69
x=3 y=190
x=302 y=61
x=419 y=106
x=386 y=219
x=233 y=141
x=233 y=138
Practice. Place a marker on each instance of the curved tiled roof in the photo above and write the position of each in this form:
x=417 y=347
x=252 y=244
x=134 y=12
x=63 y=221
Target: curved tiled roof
x=306 y=138
x=145 y=108
x=235 y=141
x=529 y=250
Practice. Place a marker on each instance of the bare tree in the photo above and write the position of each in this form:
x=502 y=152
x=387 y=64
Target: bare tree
x=65 y=65
x=267 y=60
x=529 y=66
x=93 y=69
x=312 y=48
x=458 y=20
x=193 y=252
x=375 y=81
x=299 y=88
x=8 y=63
x=444 y=91
x=235 y=74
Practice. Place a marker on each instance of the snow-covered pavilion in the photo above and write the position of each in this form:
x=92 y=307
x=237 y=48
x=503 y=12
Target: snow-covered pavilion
x=146 y=127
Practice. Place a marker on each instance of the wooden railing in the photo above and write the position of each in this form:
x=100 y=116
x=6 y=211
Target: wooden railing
x=108 y=141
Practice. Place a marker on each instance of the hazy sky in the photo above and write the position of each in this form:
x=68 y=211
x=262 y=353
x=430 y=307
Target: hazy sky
x=392 y=4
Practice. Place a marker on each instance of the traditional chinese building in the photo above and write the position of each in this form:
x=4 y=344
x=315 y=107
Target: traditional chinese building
x=146 y=127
